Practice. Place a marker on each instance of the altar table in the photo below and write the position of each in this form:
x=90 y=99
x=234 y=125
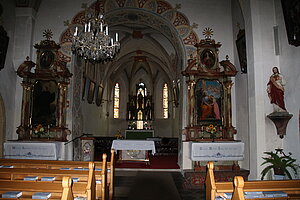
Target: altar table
x=216 y=151
x=134 y=150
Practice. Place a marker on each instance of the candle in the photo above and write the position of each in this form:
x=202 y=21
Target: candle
x=85 y=27
x=101 y=27
x=89 y=29
x=117 y=38
x=76 y=30
x=106 y=29
x=112 y=41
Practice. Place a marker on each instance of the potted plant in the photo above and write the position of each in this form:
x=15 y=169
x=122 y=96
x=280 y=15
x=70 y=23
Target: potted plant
x=279 y=162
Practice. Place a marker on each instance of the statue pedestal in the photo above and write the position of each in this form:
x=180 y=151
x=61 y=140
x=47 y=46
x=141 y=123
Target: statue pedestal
x=280 y=119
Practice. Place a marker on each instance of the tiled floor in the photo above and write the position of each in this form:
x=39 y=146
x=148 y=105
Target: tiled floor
x=132 y=184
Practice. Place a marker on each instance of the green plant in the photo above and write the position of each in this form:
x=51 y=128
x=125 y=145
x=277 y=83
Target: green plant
x=279 y=162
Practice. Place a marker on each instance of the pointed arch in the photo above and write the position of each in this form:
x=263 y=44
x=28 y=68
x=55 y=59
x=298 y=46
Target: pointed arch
x=178 y=22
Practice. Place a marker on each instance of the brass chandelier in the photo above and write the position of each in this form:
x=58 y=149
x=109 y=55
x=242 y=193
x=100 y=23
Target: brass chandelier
x=92 y=41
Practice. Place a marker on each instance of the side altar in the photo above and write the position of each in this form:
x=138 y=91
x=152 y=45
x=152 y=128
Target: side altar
x=43 y=131
x=44 y=100
x=209 y=134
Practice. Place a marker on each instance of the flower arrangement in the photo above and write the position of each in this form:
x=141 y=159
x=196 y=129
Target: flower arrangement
x=39 y=130
x=119 y=136
x=212 y=130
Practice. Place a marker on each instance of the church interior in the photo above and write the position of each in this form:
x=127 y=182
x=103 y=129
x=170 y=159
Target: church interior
x=169 y=85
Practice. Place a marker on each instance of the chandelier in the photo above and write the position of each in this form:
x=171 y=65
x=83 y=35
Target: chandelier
x=92 y=41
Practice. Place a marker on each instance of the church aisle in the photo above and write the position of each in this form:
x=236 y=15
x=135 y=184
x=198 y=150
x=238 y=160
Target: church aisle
x=153 y=184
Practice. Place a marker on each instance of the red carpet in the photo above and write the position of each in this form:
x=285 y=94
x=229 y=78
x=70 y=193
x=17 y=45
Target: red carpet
x=156 y=162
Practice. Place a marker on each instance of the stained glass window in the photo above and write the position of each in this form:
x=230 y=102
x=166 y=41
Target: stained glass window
x=116 y=100
x=165 y=101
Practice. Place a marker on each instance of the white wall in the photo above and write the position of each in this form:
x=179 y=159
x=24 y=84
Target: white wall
x=241 y=85
x=215 y=14
x=8 y=75
x=289 y=64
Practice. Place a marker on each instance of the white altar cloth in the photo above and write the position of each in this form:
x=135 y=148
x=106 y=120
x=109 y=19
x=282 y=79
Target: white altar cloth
x=34 y=150
x=134 y=145
x=216 y=151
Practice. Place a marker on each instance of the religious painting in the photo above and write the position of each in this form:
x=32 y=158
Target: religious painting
x=241 y=49
x=99 y=95
x=208 y=102
x=91 y=92
x=291 y=12
x=207 y=58
x=46 y=60
x=44 y=106
x=84 y=84
x=3 y=46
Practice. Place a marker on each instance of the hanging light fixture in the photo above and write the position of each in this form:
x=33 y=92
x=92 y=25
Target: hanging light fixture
x=92 y=41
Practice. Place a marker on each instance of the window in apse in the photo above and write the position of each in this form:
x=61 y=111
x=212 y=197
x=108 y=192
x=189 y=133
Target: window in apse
x=165 y=101
x=116 y=101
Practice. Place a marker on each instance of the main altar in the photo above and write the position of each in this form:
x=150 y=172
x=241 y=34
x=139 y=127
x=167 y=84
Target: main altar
x=209 y=134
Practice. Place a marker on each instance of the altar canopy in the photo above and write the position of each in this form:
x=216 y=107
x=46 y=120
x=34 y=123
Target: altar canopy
x=216 y=151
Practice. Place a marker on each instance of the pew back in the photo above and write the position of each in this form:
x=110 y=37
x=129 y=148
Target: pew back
x=61 y=190
x=70 y=165
x=213 y=189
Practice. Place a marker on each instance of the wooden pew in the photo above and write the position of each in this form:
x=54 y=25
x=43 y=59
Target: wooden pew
x=58 y=164
x=107 y=175
x=213 y=189
x=99 y=191
x=290 y=187
x=64 y=190
x=17 y=175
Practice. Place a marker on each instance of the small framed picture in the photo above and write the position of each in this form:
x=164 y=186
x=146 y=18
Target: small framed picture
x=99 y=95
x=91 y=92
x=3 y=46
x=242 y=51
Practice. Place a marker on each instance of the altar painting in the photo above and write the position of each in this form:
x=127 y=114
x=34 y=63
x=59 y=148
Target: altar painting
x=208 y=98
x=44 y=103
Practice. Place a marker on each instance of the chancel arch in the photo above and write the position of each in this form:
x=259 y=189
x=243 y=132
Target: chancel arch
x=155 y=39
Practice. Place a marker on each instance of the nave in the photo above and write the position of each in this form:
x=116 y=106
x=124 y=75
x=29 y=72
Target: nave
x=133 y=184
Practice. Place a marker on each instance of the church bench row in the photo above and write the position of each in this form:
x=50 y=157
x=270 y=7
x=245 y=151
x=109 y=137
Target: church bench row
x=65 y=190
x=56 y=175
x=290 y=188
x=68 y=165
x=214 y=189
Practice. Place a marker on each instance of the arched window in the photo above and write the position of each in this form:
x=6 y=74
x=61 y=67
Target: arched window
x=116 y=101
x=165 y=101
